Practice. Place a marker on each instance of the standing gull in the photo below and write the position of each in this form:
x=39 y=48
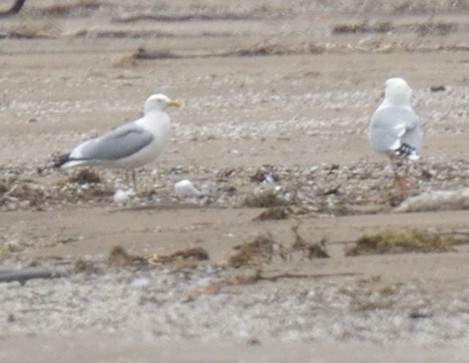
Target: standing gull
x=395 y=128
x=128 y=146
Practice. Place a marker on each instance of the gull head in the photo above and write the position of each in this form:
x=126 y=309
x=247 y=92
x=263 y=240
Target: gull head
x=159 y=102
x=397 y=92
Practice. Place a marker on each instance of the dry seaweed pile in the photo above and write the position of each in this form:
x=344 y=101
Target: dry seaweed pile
x=18 y=191
x=249 y=262
x=404 y=241
x=257 y=252
x=188 y=257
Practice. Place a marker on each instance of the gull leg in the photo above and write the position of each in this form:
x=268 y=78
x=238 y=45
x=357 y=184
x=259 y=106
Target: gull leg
x=134 y=180
x=131 y=175
x=393 y=165
x=407 y=167
x=400 y=181
x=404 y=181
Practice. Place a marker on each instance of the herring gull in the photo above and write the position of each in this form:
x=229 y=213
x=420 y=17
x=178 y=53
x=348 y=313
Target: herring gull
x=395 y=128
x=128 y=146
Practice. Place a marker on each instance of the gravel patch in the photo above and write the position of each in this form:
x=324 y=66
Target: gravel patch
x=153 y=303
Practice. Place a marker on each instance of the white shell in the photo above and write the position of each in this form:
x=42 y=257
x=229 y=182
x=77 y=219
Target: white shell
x=185 y=189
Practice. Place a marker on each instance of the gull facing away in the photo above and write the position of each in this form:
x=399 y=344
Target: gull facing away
x=395 y=128
x=128 y=146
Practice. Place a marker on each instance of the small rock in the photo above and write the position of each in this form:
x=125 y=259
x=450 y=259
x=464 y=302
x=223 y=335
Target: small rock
x=140 y=282
x=437 y=88
x=123 y=195
x=24 y=204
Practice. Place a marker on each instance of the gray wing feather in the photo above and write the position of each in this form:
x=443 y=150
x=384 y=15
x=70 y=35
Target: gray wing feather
x=116 y=144
x=413 y=137
x=390 y=127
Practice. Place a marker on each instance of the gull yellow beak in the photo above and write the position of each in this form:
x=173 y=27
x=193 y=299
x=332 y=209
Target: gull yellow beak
x=174 y=103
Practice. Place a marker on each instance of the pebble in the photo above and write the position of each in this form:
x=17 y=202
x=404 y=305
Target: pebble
x=121 y=195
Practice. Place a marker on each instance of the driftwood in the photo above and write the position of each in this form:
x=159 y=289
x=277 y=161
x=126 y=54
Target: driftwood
x=15 y=9
x=436 y=200
x=26 y=274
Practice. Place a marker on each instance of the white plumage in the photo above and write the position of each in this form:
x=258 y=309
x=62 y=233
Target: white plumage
x=395 y=128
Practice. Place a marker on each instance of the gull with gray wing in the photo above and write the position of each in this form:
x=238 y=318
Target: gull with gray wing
x=128 y=146
x=395 y=128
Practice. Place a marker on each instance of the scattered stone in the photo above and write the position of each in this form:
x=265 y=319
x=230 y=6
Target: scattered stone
x=437 y=88
x=121 y=196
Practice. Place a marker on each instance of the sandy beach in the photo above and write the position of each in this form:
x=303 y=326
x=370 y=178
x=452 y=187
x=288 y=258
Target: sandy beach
x=276 y=100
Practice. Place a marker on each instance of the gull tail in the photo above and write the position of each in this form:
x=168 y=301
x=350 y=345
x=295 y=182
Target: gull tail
x=407 y=152
x=59 y=160
x=64 y=161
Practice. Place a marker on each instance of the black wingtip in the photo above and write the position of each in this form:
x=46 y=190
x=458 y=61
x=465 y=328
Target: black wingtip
x=406 y=151
x=59 y=160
